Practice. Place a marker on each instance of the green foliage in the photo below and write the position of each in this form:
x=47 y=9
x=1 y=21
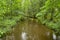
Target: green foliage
x=12 y=11
x=50 y=14
x=9 y=14
x=30 y=6
x=46 y=11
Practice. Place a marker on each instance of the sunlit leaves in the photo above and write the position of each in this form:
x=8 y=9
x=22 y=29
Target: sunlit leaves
x=51 y=12
x=8 y=14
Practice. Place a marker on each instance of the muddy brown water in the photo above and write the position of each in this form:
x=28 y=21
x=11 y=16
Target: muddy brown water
x=29 y=30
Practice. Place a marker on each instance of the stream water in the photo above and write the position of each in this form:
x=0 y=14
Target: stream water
x=29 y=30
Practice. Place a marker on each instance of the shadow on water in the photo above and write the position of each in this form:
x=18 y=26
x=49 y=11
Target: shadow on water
x=29 y=30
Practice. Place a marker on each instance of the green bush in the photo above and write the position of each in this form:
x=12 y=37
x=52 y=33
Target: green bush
x=9 y=14
x=50 y=15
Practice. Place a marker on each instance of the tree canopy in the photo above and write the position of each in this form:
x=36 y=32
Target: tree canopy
x=50 y=14
x=46 y=11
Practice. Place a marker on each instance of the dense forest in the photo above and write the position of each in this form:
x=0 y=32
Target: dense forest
x=46 y=12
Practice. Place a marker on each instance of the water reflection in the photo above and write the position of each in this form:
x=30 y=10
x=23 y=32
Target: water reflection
x=54 y=36
x=24 y=36
x=30 y=30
